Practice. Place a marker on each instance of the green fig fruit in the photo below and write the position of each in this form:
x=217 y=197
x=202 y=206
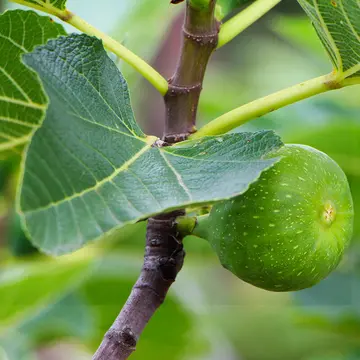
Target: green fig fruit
x=290 y=229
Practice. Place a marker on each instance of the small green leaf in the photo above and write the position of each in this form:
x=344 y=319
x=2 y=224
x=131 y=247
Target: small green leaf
x=90 y=169
x=27 y=288
x=22 y=99
x=46 y=4
x=337 y=23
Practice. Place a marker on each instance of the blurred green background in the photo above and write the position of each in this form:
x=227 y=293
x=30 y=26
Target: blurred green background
x=57 y=309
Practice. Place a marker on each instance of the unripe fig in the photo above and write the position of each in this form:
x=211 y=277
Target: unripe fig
x=290 y=229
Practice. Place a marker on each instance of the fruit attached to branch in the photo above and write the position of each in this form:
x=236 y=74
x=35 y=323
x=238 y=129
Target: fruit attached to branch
x=290 y=229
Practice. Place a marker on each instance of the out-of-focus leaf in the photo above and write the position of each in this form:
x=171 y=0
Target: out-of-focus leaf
x=17 y=241
x=298 y=31
x=68 y=318
x=332 y=306
x=15 y=346
x=280 y=336
x=335 y=356
x=22 y=99
x=29 y=287
x=77 y=187
x=225 y=7
x=335 y=296
x=247 y=316
x=337 y=24
x=142 y=28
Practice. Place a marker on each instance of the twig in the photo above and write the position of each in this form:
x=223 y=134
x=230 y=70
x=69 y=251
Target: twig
x=164 y=253
x=267 y=104
x=200 y=38
x=164 y=256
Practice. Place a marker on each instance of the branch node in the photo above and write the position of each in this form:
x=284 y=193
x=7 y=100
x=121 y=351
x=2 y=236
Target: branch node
x=178 y=90
x=67 y=16
x=202 y=39
x=125 y=338
x=159 y=143
x=155 y=242
x=148 y=286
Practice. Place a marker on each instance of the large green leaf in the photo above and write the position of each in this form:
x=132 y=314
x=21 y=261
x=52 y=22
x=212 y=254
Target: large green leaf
x=337 y=23
x=27 y=288
x=90 y=169
x=22 y=99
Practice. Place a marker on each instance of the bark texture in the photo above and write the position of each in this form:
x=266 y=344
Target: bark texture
x=164 y=257
x=164 y=254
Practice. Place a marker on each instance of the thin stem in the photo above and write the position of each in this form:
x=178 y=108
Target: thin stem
x=186 y=224
x=352 y=81
x=265 y=105
x=164 y=257
x=233 y=27
x=141 y=66
x=164 y=253
x=200 y=36
x=201 y=228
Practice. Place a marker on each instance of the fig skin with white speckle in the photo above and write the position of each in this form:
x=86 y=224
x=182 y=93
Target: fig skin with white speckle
x=290 y=229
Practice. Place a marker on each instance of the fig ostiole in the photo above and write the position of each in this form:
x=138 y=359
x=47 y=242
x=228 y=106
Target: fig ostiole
x=289 y=230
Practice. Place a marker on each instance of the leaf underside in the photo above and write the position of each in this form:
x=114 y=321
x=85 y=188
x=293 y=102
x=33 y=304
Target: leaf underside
x=22 y=99
x=89 y=169
x=337 y=22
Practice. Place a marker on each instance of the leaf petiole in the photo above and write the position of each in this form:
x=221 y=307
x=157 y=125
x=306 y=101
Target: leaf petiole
x=267 y=104
x=233 y=27
x=141 y=66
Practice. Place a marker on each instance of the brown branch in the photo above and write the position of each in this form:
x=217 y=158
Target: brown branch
x=200 y=36
x=164 y=254
x=2 y=6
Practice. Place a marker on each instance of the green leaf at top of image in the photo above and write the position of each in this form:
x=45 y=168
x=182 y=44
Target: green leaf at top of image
x=22 y=99
x=89 y=169
x=337 y=23
x=47 y=4
x=26 y=288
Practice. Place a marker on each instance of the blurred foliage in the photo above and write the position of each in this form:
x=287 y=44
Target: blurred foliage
x=209 y=314
x=155 y=19
x=18 y=243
